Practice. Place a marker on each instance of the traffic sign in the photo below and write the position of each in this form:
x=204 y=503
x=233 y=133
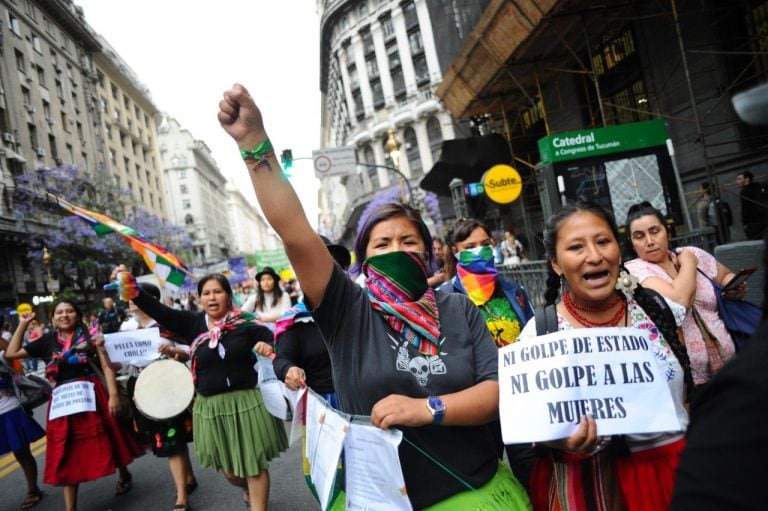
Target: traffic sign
x=334 y=161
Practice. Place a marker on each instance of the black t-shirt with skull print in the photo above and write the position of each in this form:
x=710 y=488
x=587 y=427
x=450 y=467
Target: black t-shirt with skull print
x=371 y=361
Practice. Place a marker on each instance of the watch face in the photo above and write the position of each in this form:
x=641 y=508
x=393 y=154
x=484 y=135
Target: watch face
x=436 y=404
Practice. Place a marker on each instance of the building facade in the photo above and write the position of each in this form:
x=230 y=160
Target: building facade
x=538 y=68
x=128 y=134
x=250 y=231
x=381 y=61
x=46 y=118
x=196 y=192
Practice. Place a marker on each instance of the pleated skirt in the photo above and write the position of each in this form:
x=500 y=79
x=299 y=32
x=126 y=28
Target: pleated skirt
x=235 y=433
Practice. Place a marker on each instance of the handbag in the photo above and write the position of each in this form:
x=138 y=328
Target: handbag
x=31 y=390
x=740 y=317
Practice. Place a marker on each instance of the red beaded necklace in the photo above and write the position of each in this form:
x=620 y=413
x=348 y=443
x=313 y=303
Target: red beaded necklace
x=573 y=309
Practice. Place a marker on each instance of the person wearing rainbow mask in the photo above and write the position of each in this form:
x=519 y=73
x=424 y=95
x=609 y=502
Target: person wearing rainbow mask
x=504 y=304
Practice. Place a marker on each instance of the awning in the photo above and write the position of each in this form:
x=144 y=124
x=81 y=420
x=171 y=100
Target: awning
x=466 y=159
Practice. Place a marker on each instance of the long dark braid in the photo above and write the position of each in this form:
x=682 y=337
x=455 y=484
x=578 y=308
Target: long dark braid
x=552 y=293
x=664 y=321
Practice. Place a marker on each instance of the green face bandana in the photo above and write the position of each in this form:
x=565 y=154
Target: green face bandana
x=404 y=274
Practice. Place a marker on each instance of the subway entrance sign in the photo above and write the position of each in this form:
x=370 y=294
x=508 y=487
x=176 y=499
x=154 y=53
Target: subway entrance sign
x=502 y=184
x=616 y=167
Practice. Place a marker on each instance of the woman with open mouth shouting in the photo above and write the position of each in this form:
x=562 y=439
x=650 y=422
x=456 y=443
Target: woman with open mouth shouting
x=585 y=471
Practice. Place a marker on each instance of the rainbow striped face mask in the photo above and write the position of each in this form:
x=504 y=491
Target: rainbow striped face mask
x=477 y=273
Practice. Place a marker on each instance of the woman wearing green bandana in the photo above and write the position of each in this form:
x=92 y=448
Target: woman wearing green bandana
x=412 y=358
x=504 y=304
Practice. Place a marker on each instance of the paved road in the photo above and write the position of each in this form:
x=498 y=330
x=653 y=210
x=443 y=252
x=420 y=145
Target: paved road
x=153 y=487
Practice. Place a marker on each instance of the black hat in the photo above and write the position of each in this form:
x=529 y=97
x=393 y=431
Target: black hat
x=338 y=252
x=268 y=270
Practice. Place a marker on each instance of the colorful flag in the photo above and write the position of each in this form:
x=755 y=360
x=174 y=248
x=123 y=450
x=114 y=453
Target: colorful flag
x=168 y=268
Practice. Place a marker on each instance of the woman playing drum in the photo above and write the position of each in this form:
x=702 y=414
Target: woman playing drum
x=168 y=438
x=234 y=433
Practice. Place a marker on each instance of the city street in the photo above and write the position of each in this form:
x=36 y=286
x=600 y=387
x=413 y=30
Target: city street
x=153 y=487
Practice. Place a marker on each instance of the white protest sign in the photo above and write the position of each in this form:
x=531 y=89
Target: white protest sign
x=326 y=430
x=136 y=347
x=271 y=389
x=72 y=398
x=547 y=383
x=374 y=477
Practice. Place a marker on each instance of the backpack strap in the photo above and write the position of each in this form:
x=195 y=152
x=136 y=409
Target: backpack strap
x=546 y=319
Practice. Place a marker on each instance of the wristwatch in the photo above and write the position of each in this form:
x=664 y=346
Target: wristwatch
x=436 y=407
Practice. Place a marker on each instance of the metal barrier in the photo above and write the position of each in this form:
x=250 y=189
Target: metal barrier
x=532 y=275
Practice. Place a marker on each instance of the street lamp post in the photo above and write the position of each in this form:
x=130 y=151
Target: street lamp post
x=392 y=145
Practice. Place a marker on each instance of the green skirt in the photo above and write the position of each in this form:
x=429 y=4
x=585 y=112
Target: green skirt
x=235 y=433
x=502 y=493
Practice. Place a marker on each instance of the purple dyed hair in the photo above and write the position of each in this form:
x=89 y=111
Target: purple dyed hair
x=387 y=212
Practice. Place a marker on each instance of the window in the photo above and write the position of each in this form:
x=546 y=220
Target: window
x=64 y=42
x=416 y=43
x=368 y=46
x=393 y=56
x=126 y=103
x=108 y=130
x=184 y=189
x=70 y=153
x=409 y=13
x=373 y=173
x=357 y=97
x=46 y=109
x=26 y=97
x=146 y=121
x=34 y=142
x=41 y=76
x=113 y=156
x=186 y=204
x=189 y=219
x=29 y=9
x=421 y=69
x=533 y=113
x=102 y=104
x=21 y=66
x=100 y=78
x=114 y=91
x=378 y=93
x=60 y=91
x=435 y=135
x=79 y=130
x=610 y=53
x=412 y=152
x=36 y=44
x=354 y=81
x=54 y=149
x=14 y=25
x=182 y=174
x=126 y=164
x=387 y=28
x=362 y=10
x=372 y=68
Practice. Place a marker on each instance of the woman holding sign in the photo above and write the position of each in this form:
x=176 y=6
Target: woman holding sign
x=406 y=356
x=683 y=276
x=584 y=471
x=82 y=445
x=233 y=431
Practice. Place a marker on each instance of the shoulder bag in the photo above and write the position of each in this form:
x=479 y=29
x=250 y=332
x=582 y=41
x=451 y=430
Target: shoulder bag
x=741 y=317
x=31 y=390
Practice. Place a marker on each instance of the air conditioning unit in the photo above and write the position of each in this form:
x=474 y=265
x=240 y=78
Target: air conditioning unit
x=8 y=137
x=30 y=108
x=50 y=121
x=40 y=152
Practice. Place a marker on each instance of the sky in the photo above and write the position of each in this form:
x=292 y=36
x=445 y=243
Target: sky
x=187 y=53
